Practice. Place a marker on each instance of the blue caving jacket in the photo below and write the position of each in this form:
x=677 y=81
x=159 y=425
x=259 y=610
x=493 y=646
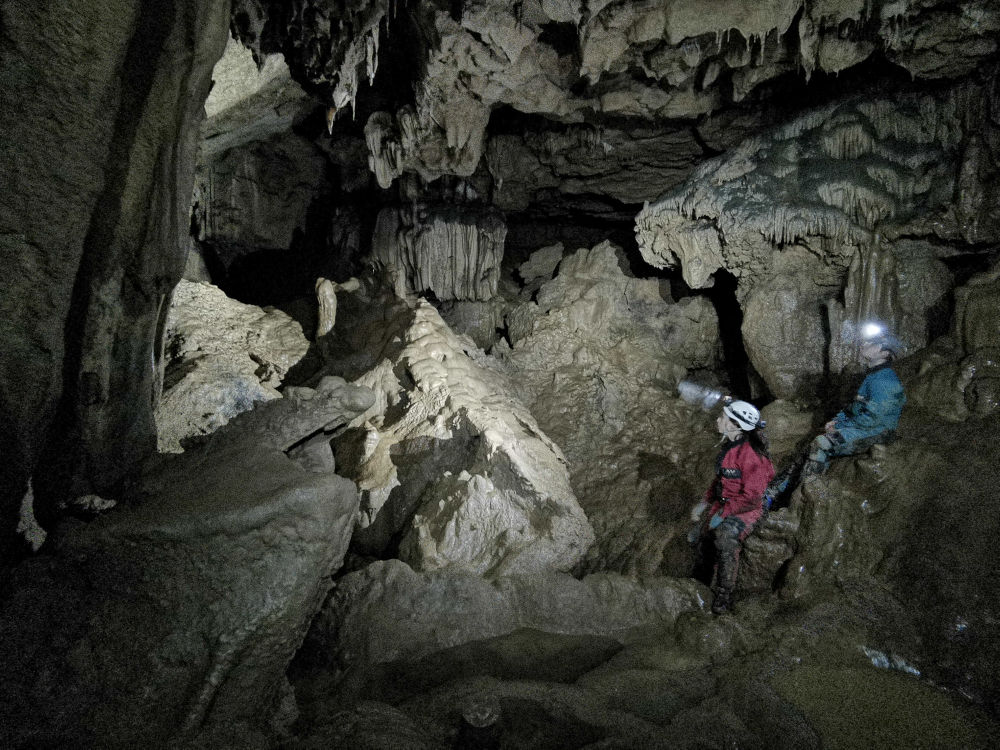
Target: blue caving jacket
x=876 y=408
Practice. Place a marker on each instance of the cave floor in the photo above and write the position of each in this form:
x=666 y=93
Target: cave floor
x=775 y=675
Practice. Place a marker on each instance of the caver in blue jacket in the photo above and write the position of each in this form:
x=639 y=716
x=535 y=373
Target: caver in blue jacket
x=870 y=419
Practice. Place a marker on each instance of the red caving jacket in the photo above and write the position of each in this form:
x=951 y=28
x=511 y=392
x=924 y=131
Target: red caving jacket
x=742 y=475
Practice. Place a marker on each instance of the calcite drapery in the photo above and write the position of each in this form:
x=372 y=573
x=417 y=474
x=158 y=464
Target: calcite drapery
x=453 y=252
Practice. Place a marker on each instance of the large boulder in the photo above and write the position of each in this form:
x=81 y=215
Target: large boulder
x=176 y=614
x=453 y=465
x=597 y=358
x=221 y=357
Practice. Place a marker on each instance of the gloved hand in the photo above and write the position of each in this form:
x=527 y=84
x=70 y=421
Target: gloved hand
x=715 y=521
x=698 y=510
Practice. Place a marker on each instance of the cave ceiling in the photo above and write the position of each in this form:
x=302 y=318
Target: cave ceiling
x=547 y=89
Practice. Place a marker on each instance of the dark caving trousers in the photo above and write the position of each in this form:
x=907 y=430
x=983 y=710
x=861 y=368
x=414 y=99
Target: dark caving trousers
x=718 y=563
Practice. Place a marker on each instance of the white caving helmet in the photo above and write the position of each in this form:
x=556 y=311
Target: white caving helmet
x=743 y=414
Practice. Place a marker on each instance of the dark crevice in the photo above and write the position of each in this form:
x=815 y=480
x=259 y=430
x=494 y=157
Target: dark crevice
x=744 y=382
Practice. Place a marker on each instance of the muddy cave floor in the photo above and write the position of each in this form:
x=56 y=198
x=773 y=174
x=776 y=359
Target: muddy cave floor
x=776 y=674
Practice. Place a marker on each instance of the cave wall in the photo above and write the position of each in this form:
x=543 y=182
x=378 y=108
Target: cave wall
x=103 y=100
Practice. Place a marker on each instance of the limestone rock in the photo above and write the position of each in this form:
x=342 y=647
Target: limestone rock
x=224 y=356
x=958 y=375
x=463 y=473
x=895 y=286
x=833 y=185
x=735 y=210
x=896 y=517
x=787 y=428
x=542 y=264
x=98 y=181
x=483 y=322
x=453 y=253
x=176 y=614
x=568 y=61
x=784 y=329
x=387 y=611
x=248 y=103
x=630 y=166
x=598 y=356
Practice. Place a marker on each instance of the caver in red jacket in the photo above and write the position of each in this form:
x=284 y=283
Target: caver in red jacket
x=742 y=475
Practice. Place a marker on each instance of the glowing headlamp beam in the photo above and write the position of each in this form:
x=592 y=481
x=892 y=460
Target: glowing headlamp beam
x=871 y=330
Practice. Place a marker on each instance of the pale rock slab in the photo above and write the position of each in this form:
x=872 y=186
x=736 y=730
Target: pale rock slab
x=249 y=103
x=222 y=357
x=451 y=461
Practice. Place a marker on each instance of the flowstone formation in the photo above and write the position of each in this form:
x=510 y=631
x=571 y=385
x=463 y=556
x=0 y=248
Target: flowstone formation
x=852 y=200
x=454 y=471
x=221 y=357
x=454 y=253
